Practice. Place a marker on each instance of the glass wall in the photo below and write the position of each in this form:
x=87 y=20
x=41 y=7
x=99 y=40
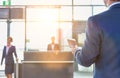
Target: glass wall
x=45 y=22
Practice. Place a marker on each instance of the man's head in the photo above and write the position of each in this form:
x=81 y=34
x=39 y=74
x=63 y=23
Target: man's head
x=109 y=2
x=53 y=39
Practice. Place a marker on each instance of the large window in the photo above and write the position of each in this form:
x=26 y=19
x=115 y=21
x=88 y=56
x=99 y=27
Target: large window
x=45 y=22
x=41 y=2
x=82 y=12
x=88 y=2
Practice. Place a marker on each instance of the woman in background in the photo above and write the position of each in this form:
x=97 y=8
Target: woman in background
x=8 y=51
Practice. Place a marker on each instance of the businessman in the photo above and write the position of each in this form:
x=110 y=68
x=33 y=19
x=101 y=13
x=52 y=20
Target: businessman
x=102 y=44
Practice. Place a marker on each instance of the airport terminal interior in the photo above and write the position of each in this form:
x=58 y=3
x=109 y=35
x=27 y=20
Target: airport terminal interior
x=32 y=23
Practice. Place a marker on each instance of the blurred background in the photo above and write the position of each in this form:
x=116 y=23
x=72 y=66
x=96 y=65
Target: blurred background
x=37 y=20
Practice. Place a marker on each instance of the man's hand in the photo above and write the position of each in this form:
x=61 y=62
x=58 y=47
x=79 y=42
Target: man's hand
x=73 y=44
x=74 y=48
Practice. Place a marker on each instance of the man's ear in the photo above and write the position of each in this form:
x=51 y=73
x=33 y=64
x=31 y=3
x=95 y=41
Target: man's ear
x=109 y=2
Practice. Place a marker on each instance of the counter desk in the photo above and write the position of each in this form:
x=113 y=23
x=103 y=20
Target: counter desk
x=47 y=65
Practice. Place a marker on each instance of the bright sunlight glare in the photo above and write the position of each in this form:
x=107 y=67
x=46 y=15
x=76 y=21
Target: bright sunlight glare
x=43 y=14
x=43 y=20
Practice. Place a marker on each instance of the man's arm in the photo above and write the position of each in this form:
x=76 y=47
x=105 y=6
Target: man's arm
x=87 y=55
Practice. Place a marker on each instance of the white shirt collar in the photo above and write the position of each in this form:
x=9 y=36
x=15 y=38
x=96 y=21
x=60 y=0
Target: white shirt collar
x=114 y=4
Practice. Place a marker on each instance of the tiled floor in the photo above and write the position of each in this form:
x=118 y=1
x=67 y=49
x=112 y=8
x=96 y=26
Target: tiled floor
x=76 y=75
x=82 y=75
x=2 y=75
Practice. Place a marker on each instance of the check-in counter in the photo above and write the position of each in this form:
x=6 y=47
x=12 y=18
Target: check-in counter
x=47 y=65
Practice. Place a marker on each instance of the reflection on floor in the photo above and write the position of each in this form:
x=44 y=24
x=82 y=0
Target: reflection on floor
x=76 y=75
x=83 y=75
x=2 y=75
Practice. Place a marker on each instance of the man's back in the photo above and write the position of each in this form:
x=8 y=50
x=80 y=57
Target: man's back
x=102 y=44
x=107 y=64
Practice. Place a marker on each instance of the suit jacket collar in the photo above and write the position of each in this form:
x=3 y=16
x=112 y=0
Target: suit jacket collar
x=115 y=5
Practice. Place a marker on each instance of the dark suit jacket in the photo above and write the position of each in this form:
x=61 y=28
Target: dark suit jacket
x=102 y=44
x=56 y=47
x=9 y=57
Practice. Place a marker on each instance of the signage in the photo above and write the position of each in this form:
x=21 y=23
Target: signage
x=6 y=3
x=11 y=13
